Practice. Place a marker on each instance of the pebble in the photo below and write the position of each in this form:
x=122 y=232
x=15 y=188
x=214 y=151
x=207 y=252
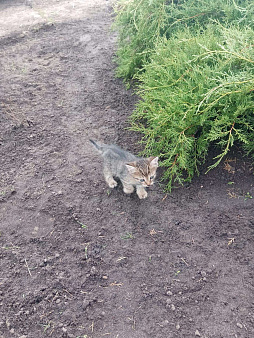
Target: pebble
x=12 y=331
x=165 y=323
x=93 y=270
x=8 y=324
x=169 y=293
x=58 y=301
x=24 y=336
x=197 y=333
x=64 y=329
x=177 y=326
x=104 y=277
x=239 y=325
x=86 y=303
x=173 y=307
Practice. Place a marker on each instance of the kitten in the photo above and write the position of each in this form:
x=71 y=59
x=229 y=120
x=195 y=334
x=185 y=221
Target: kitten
x=133 y=171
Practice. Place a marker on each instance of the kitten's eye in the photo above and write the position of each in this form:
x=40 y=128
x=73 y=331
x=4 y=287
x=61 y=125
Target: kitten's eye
x=151 y=177
x=142 y=180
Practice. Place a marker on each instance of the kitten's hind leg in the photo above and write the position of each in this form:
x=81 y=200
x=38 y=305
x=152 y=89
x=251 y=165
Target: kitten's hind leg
x=127 y=188
x=109 y=178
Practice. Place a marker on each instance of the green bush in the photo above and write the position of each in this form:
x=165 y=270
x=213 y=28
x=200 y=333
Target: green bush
x=141 y=23
x=195 y=79
x=196 y=90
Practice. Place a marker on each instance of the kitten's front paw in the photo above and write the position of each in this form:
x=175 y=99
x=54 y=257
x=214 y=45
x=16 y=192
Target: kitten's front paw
x=112 y=183
x=142 y=194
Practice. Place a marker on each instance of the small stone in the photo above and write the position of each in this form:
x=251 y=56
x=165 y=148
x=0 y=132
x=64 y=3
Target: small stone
x=165 y=322
x=239 y=325
x=169 y=293
x=197 y=333
x=64 y=329
x=58 y=301
x=8 y=324
x=173 y=307
x=177 y=326
x=86 y=303
x=203 y=273
x=93 y=270
x=104 y=277
x=24 y=336
x=12 y=331
x=168 y=301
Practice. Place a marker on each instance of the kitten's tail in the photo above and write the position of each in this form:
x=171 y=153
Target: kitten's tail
x=97 y=146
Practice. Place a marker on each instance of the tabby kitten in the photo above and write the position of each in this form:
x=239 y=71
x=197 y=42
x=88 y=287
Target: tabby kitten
x=133 y=171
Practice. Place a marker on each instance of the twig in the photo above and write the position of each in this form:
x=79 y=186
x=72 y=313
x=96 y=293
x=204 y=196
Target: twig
x=28 y=268
x=184 y=261
x=164 y=197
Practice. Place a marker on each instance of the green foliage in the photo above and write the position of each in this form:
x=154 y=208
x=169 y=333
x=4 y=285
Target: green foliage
x=140 y=24
x=194 y=62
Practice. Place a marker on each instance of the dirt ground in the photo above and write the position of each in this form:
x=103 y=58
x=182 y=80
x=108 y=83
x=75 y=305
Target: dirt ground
x=80 y=260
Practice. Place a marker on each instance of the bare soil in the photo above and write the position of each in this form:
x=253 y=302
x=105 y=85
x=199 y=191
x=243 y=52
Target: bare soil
x=76 y=258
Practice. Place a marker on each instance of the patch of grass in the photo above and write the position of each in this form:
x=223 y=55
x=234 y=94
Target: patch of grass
x=83 y=226
x=86 y=252
x=247 y=196
x=109 y=191
x=127 y=235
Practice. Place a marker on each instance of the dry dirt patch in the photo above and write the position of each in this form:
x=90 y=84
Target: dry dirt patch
x=80 y=260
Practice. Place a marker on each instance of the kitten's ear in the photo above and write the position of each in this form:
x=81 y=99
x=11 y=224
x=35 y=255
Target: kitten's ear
x=153 y=161
x=131 y=167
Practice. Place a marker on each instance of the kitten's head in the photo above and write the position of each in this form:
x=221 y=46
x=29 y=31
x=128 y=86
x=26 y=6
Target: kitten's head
x=143 y=170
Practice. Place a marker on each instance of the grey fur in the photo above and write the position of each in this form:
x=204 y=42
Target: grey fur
x=133 y=171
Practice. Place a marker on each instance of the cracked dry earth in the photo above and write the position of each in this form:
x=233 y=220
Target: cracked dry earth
x=76 y=258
